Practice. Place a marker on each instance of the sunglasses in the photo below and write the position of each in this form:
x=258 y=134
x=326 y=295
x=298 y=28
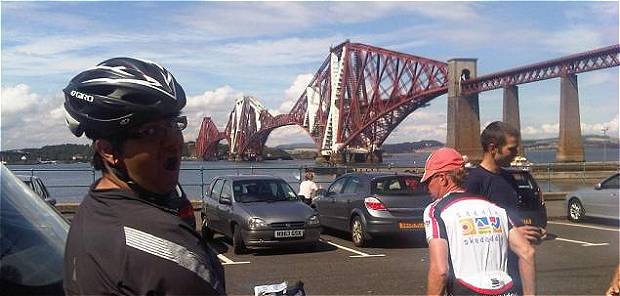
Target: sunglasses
x=159 y=130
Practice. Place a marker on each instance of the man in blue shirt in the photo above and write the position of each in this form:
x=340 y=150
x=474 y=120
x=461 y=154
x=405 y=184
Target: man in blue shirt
x=500 y=143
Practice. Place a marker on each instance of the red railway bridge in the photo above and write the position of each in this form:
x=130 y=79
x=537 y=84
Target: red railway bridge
x=361 y=93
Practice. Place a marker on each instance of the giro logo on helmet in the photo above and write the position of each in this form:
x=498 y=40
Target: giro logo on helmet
x=82 y=96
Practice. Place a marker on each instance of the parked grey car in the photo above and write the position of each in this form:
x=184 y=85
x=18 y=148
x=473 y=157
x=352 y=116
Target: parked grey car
x=258 y=211
x=36 y=184
x=600 y=201
x=370 y=204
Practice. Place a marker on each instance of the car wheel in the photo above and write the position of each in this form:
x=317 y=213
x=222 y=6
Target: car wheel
x=576 y=212
x=238 y=245
x=207 y=233
x=358 y=234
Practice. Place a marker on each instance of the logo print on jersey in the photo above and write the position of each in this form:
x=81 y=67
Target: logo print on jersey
x=482 y=224
x=467 y=225
x=496 y=224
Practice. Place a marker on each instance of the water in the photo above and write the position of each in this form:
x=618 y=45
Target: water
x=535 y=156
x=71 y=184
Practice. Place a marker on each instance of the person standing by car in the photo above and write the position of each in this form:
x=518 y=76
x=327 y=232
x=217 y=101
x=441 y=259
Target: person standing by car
x=125 y=239
x=500 y=143
x=308 y=188
x=468 y=236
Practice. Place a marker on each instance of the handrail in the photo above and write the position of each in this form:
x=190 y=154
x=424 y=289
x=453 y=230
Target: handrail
x=542 y=171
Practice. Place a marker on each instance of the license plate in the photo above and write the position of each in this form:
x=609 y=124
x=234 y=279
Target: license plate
x=289 y=233
x=411 y=225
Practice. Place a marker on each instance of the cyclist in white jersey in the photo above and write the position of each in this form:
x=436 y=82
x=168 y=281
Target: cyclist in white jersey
x=468 y=236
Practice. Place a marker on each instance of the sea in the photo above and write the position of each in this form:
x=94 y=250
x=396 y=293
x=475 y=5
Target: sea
x=69 y=182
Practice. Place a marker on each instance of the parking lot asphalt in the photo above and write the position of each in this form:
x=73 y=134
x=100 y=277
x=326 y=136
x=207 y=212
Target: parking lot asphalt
x=578 y=259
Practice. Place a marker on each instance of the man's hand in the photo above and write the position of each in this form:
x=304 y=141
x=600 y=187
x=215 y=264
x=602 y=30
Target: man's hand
x=532 y=233
x=614 y=286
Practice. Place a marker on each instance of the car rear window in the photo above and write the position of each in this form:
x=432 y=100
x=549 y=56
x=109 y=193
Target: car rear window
x=523 y=180
x=397 y=185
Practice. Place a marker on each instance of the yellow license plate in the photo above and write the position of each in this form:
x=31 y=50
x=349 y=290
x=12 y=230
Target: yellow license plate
x=409 y=225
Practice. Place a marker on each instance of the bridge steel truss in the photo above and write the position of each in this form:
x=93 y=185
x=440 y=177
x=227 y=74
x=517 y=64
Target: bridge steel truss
x=355 y=100
x=578 y=63
x=208 y=138
x=361 y=93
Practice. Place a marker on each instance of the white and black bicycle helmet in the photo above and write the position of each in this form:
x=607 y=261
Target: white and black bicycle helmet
x=120 y=93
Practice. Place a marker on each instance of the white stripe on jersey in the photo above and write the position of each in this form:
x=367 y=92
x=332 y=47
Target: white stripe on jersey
x=167 y=250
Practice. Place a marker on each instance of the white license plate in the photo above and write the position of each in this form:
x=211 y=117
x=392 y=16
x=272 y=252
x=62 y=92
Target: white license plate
x=289 y=233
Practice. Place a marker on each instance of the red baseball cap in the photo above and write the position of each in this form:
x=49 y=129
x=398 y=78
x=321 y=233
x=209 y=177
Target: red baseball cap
x=442 y=160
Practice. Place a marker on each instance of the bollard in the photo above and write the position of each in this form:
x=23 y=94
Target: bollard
x=202 y=183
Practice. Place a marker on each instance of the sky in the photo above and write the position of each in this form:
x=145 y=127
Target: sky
x=219 y=51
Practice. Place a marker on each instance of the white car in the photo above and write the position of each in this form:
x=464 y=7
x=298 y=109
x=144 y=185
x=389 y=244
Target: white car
x=600 y=201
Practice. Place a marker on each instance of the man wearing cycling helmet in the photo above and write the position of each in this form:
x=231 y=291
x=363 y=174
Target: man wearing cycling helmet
x=126 y=238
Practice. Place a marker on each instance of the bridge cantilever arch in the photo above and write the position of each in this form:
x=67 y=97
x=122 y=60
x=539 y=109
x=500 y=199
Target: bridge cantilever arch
x=361 y=93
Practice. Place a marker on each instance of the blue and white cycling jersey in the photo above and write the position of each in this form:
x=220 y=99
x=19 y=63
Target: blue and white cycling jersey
x=477 y=234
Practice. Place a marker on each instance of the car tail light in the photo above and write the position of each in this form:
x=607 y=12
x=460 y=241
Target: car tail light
x=187 y=211
x=373 y=203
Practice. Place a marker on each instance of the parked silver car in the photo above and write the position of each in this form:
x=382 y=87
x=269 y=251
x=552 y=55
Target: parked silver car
x=600 y=201
x=258 y=211
x=32 y=241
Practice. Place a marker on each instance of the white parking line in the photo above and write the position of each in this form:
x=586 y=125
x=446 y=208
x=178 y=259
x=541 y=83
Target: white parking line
x=582 y=243
x=225 y=260
x=359 y=253
x=584 y=226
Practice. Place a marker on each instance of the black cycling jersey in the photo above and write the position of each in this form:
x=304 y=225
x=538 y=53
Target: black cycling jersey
x=500 y=188
x=122 y=244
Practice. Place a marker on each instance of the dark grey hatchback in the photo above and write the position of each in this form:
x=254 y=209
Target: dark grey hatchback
x=371 y=204
x=258 y=211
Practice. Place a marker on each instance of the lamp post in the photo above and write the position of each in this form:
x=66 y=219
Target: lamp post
x=604 y=130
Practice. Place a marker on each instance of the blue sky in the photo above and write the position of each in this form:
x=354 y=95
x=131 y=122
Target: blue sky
x=270 y=50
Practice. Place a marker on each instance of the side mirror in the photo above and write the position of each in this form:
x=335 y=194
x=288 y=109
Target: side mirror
x=321 y=192
x=51 y=201
x=225 y=200
x=598 y=186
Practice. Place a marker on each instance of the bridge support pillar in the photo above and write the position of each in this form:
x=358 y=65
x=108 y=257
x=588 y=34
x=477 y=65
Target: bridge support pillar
x=511 y=110
x=463 y=111
x=570 y=146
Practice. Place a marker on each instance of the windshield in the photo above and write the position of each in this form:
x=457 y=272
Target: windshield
x=263 y=190
x=32 y=240
x=397 y=185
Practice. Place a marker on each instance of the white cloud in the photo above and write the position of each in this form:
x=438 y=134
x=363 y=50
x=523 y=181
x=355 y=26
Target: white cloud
x=598 y=78
x=551 y=130
x=574 y=40
x=596 y=128
x=18 y=99
x=288 y=135
x=39 y=117
x=275 y=18
x=292 y=94
x=288 y=51
x=216 y=104
x=423 y=124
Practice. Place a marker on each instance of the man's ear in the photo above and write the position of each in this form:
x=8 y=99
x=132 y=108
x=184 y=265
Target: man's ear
x=492 y=148
x=107 y=152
